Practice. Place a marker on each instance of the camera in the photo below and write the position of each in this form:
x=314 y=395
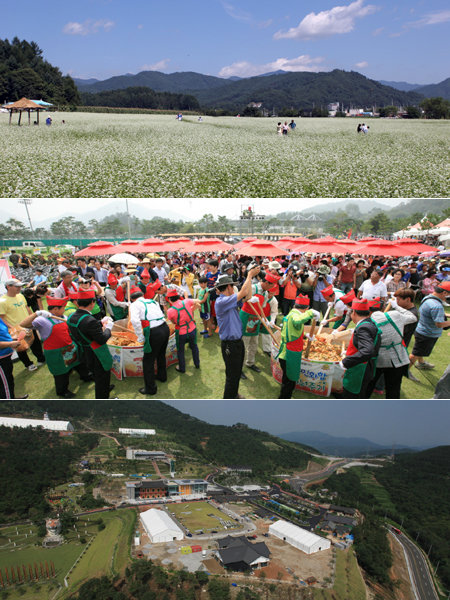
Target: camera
x=321 y=278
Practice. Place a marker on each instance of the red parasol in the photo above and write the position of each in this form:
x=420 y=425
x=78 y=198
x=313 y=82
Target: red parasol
x=410 y=246
x=177 y=243
x=381 y=248
x=207 y=245
x=262 y=248
x=245 y=242
x=149 y=246
x=98 y=249
x=129 y=247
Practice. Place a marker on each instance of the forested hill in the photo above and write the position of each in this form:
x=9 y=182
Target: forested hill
x=25 y=72
x=217 y=444
x=304 y=91
x=436 y=89
x=160 y=82
x=141 y=97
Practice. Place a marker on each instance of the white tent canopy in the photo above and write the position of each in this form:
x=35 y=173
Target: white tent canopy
x=160 y=527
x=299 y=538
x=44 y=423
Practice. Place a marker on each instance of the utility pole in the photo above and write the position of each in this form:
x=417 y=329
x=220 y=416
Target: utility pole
x=128 y=217
x=26 y=203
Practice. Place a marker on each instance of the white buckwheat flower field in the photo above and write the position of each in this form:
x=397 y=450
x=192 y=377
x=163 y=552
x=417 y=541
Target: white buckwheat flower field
x=125 y=155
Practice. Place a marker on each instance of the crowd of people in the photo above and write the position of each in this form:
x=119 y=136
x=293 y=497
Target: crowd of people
x=376 y=303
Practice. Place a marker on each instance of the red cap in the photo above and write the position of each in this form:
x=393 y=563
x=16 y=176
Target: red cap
x=172 y=293
x=73 y=295
x=362 y=304
x=86 y=295
x=375 y=303
x=444 y=285
x=145 y=274
x=328 y=291
x=302 y=300
x=112 y=279
x=349 y=297
x=272 y=278
x=156 y=285
x=52 y=302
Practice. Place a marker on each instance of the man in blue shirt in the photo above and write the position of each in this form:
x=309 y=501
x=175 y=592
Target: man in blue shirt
x=7 y=346
x=431 y=323
x=39 y=278
x=230 y=329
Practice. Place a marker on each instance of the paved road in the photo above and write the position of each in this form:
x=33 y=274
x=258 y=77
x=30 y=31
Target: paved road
x=419 y=572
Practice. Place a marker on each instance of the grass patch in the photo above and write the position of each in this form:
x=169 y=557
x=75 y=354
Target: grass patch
x=349 y=584
x=369 y=481
x=208 y=382
x=201 y=515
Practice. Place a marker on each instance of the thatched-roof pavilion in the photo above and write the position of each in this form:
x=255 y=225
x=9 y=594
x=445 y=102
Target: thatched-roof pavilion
x=23 y=105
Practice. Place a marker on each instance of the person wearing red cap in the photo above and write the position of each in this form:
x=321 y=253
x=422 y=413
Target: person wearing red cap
x=59 y=350
x=91 y=338
x=346 y=300
x=181 y=313
x=393 y=358
x=291 y=348
x=116 y=308
x=152 y=330
x=362 y=352
x=333 y=296
x=431 y=323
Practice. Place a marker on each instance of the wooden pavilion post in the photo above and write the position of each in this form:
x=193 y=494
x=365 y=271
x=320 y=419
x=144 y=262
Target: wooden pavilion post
x=20 y=117
x=29 y=117
x=10 y=116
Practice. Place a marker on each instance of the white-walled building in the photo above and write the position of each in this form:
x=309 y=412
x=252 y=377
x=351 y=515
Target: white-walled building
x=44 y=423
x=160 y=527
x=137 y=432
x=299 y=538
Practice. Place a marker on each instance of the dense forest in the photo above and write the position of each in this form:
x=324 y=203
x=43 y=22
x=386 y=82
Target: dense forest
x=219 y=444
x=419 y=488
x=140 y=97
x=24 y=72
x=32 y=461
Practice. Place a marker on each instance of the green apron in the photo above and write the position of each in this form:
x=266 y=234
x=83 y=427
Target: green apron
x=353 y=377
x=146 y=324
x=250 y=324
x=118 y=312
x=63 y=359
x=191 y=320
x=291 y=348
x=101 y=351
x=339 y=323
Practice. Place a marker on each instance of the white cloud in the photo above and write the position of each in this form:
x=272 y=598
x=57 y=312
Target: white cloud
x=340 y=19
x=87 y=27
x=378 y=31
x=247 y=69
x=235 y=13
x=157 y=66
x=362 y=65
x=436 y=18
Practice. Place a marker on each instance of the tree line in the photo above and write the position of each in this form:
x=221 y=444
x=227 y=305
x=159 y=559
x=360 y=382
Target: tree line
x=25 y=72
x=140 y=97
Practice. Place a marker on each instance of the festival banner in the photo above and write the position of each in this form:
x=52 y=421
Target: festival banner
x=116 y=353
x=316 y=377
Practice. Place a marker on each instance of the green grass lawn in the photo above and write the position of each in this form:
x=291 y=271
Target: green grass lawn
x=349 y=584
x=208 y=382
x=373 y=487
x=199 y=516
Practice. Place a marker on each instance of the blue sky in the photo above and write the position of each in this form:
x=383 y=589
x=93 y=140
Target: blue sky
x=411 y=423
x=400 y=40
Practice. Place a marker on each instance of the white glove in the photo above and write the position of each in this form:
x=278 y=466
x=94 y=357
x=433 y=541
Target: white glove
x=254 y=300
x=141 y=339
x=106 y=320
x=330 y=304
x=123 y=304
x=393 y=302
x=43 y=313
x=324 y=322
x=109 y=325
x=341 y=364
x=310 y=337
x=125 y=280
x=316 y=314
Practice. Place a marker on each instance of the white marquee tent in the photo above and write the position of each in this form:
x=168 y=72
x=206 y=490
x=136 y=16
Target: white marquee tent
x=160 y=527
x=299 y=538
x=44 y=423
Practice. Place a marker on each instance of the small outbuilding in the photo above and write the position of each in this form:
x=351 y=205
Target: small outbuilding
x=160 y=527
x=299 y=538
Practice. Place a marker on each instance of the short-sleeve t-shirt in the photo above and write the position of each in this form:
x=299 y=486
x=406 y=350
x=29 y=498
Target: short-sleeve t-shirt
x=14 y=309
x=227 y=313
x=5 y=337
x=431 y=312
x=182 y=319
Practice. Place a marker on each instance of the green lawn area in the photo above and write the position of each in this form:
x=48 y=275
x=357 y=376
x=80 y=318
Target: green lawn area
x=197 y=515
x=349 y=584
x=109 y=551
x=208 y=382
x=376 y=489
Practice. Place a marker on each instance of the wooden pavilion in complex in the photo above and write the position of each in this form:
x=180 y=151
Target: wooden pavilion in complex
x=23 y=105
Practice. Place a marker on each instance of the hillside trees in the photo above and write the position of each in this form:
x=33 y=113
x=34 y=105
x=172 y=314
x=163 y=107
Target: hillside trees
x=436 y=108
x=25 y=72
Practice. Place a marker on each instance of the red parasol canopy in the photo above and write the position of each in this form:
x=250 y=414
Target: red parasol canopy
x=177 y=243
x=129 y=246
x=262 y=248
x=148 y=246
x=207 y=245
x=98 y=249
x=381 y=248
x=410 y=246
x=245 y=242
x=326 y=244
